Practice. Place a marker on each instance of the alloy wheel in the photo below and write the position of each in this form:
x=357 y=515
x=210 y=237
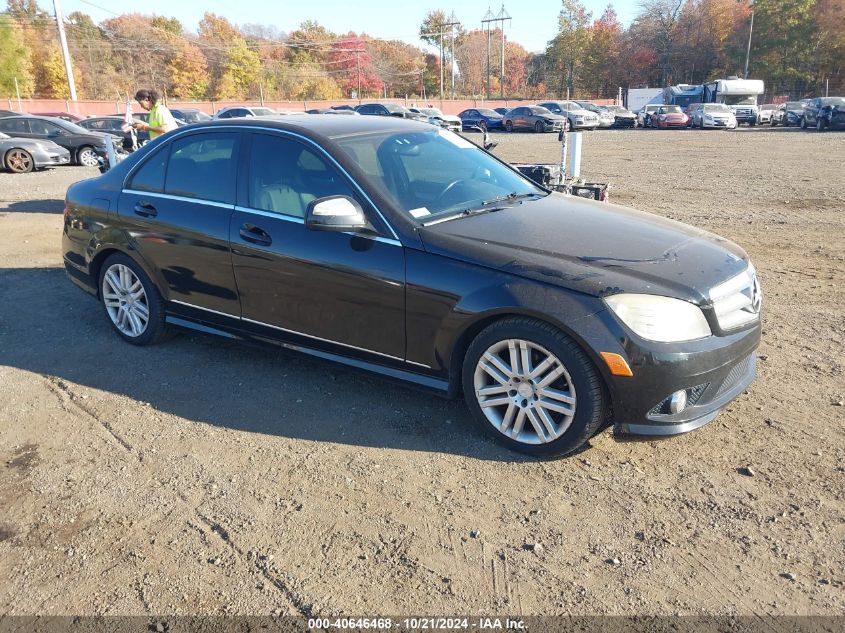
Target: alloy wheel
x=125 y=300
x=524 y=391
x=88 y=157
x=19 y=161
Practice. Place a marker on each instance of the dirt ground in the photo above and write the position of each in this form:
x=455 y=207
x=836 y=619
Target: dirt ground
x=205 y=476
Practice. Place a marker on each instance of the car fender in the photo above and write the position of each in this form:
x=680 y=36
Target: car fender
x=110 y=240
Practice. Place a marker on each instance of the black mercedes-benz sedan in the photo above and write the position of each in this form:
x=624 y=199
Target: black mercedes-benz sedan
x=404 y=249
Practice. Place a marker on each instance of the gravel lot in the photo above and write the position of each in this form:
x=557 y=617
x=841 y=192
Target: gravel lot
x=205 y=476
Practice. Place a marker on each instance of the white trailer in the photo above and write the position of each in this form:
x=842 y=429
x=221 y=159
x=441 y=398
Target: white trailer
x=639 y=97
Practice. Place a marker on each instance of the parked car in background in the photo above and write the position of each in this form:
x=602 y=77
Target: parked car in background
x=114 y=126
x=23 y=155
x=669 y=116
x=343 y=107
x=67 y=116
x=788 y=114
x=713 y=115
x=485 y=118
x=765 y=112
x=330 y=111
x=606 y=117
x=644 y=115
x=824 y=112
x=578 y=117
x=553 y=315
x=189 y=115
x=533 y=119
x=84 y=146
x=243 y=111
x=502 y=111
x=436 y=117
x=622 y=117
x=389 y=109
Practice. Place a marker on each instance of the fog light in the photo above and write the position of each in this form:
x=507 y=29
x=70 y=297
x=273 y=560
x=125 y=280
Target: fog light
x=678 y=401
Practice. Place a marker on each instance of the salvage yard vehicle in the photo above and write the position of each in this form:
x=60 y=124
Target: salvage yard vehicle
x=789 y=113
x=606 y=117
x=483 y=118
x=436 y=117
x=114 y=125
x=669 y=116
x=23 y=155
x=578 y=117
x=824 y=113
x=644 y=115
x=233 y=112
x=764 y=114
x=713 y=115
x=534 y=119
x=404 y=249
x=85 y=147
x=622 y=116
x=389 y=109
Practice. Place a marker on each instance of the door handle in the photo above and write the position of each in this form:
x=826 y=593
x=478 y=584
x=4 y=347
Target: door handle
x=145 y=209
x=256 y=235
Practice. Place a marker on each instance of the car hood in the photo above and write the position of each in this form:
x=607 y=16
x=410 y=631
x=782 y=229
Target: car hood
x=591 y=247
x=32 y=143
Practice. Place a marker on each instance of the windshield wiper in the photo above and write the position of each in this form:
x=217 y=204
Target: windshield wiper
x=483 y=207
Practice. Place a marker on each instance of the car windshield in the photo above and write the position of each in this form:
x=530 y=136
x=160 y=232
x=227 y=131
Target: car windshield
x=396 y=108
x=262 y=111
x=488 y=112
x=833 y=101
x=592 y=107
x=768 y=106
x=73 y=128
x=716 y=107
x=435 y=175
x=671 y=109
x=741 y=99
x=192 y=116
x=430 y=111
x=794 y=105
x=539 y=111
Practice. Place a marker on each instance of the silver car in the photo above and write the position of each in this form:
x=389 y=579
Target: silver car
x=22 y=155
x=578 y=117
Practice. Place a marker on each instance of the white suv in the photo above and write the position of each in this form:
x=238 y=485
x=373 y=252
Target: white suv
x=579 y=118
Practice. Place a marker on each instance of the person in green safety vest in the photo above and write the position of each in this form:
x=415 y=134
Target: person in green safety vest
x=161 y=121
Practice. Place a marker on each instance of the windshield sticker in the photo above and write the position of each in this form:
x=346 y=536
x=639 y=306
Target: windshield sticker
x=420 y=213
x=456 y=140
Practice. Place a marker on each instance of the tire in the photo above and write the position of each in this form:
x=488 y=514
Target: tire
x=483 y=126
x=772 y=123
x=820 y=124
x=701 y=123
x=539 y=127
x=508 y=126
x=86 y=156
x=560 y=415
x=19 y=161
x=752 y=124
x=136 y=315
x=803 y=123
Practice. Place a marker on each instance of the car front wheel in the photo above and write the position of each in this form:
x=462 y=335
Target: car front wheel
x=131 y=301
x=532 y=388
x=509 y=126
x=87 y=157
x=19 y=161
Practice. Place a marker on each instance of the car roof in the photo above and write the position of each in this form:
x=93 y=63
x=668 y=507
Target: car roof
x=327 y=126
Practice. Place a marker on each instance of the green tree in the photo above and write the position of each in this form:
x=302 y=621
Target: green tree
x=566 y=51
x=14 y=61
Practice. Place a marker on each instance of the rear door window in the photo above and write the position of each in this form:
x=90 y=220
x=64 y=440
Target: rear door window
x=203 y=166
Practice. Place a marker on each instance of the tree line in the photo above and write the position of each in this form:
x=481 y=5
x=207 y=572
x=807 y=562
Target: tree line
x=797 y=48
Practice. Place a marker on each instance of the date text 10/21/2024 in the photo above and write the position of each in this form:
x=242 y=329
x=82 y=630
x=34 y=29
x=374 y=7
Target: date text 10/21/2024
x=417 y=624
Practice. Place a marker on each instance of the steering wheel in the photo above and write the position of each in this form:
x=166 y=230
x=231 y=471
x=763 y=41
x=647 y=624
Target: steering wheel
x=447 y=189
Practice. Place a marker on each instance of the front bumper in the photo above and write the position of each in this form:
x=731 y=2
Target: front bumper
x=625 y=122
x=51 y=159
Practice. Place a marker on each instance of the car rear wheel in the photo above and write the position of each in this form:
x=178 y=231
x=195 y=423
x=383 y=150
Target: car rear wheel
x=131 y=301
x=483 y=125
x=803 y=123
x=532 y=388
x=87 y=156
x=539 y=126
x=509 y=126
x=19 y=161
x=820 y=124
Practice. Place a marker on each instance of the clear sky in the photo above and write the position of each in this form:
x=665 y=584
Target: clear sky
x=532 y=24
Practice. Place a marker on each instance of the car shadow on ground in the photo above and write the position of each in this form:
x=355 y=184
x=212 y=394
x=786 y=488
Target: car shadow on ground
x=50 y=327
x=33 y=206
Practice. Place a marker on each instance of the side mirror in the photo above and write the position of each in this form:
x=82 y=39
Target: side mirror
x=336 y=213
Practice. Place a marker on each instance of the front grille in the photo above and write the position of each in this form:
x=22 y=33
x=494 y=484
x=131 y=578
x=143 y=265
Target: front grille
x=737 y=372
x=737 y=301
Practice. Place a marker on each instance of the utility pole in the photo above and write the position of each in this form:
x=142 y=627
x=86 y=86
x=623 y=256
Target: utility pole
x=65 y=52
x=452 y=35
x=440 y=33
x=748 y=50
x=488 y=18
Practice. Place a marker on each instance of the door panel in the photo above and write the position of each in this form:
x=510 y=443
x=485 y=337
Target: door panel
x=178 y=208
x=333 y=286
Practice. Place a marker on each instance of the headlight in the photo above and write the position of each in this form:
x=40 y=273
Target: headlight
x=657 y=318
